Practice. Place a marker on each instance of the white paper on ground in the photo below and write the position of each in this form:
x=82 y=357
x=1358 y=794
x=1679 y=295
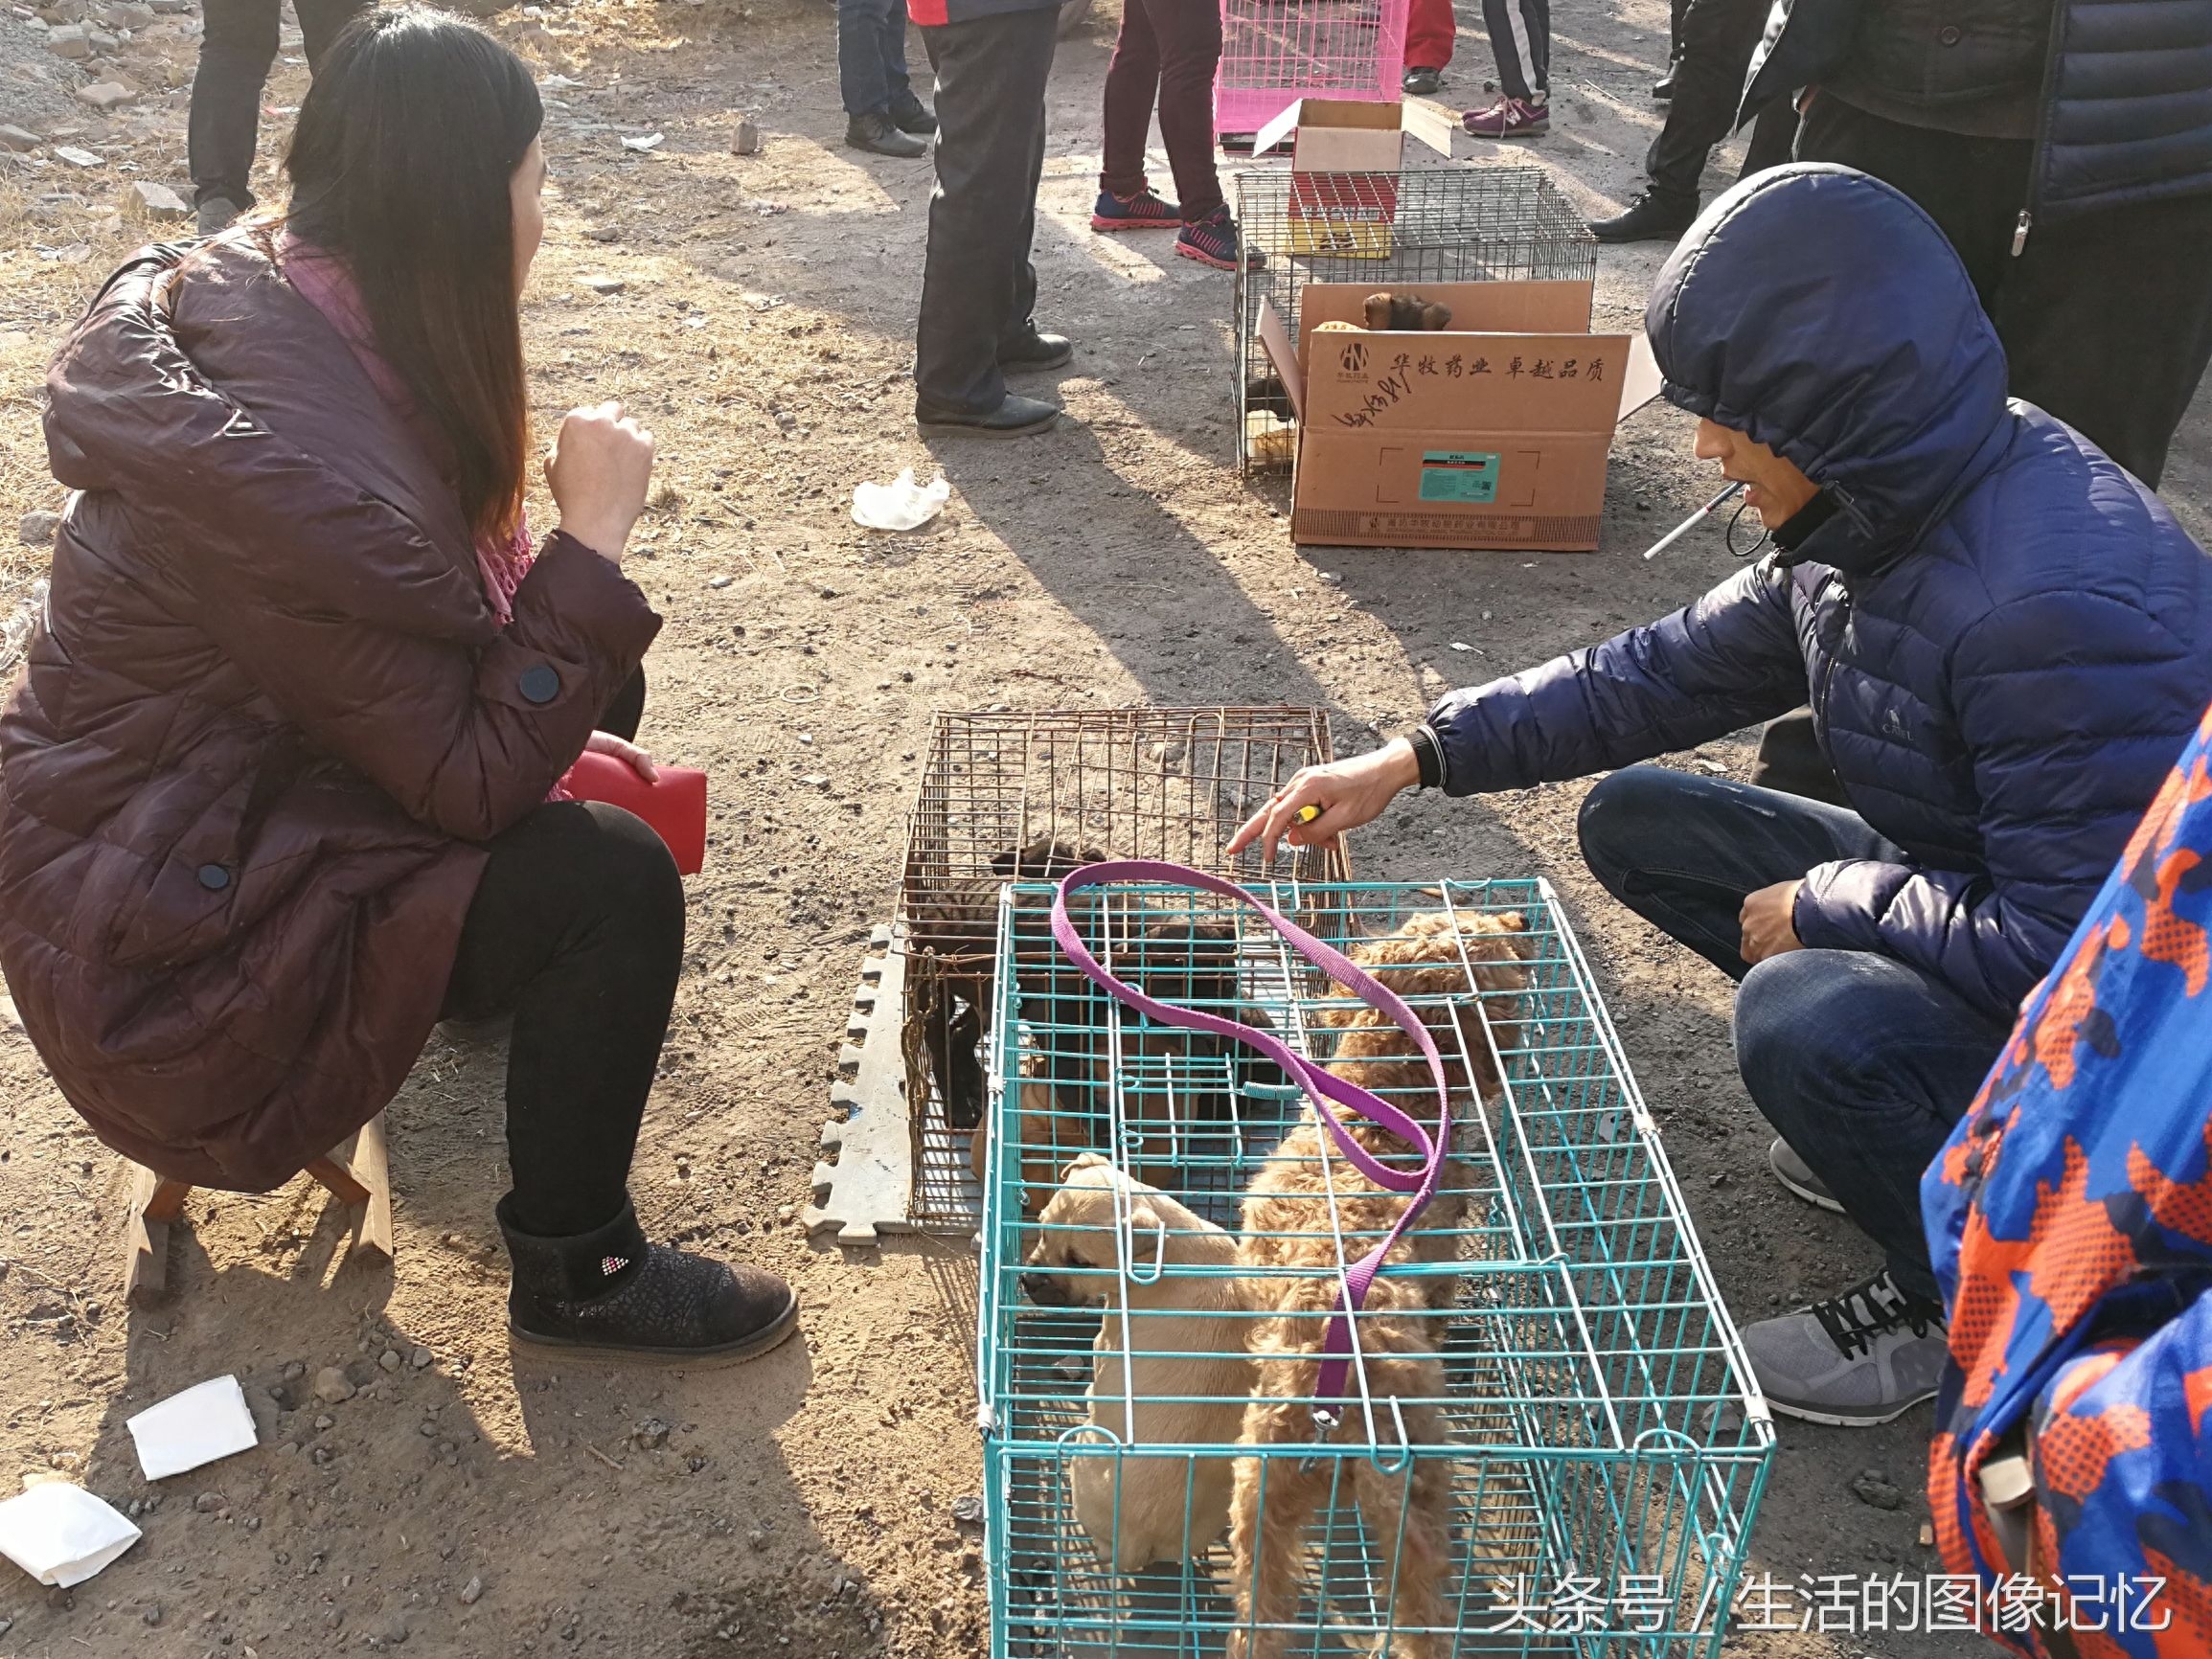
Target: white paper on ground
x=900 y=504
x=206 y=1422
x=61 y=1533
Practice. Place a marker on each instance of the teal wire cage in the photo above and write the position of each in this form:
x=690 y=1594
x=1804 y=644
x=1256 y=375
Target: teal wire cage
x=1548 y=1442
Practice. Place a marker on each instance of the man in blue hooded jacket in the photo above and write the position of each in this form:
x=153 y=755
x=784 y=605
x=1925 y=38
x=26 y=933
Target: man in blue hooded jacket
x=2003 y=638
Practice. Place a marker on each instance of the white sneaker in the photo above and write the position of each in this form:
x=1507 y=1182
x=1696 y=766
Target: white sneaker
x=1858 y=1359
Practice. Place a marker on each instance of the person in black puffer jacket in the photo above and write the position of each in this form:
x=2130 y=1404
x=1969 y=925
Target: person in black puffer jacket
x=2066 y=149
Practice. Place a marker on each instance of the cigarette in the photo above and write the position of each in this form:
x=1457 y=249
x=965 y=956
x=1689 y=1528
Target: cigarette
x=1691 y=523
x=1306 y=814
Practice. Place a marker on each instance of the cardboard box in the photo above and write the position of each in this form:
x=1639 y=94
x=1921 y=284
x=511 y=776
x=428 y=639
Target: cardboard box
x=1344 y=162
x=1493 y=433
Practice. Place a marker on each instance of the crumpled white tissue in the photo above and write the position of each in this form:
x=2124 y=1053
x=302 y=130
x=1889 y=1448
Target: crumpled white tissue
x=61 y=1533
x=900 y=504
x=206 y=1422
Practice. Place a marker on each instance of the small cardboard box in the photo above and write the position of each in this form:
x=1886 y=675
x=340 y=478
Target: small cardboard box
x=1338 y=204
x=1495 y=433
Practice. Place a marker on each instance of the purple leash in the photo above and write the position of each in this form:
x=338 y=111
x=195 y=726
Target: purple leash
x=1337 y=1349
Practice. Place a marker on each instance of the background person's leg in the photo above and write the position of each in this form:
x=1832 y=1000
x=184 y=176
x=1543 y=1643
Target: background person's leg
x=1133 y=85
x=2106 y=322
x=321 y=23
x=978 y=288
x=1431 y=33
x=1718 y=38
x=1522 y=49
x=239 y=45
x=1863 y=1064
x=1682 y=851
x=1190 y=37
x=862 y=86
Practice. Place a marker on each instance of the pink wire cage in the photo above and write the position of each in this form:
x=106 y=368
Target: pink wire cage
x=1276 y=52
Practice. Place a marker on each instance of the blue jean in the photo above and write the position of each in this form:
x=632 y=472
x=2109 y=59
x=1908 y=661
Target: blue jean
x=872 y=55
x=1862 y=1062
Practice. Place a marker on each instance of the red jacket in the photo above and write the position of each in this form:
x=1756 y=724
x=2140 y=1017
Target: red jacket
x=265 y=724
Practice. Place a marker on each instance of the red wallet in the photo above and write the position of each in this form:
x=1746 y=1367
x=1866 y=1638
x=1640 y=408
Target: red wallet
x=676 y=805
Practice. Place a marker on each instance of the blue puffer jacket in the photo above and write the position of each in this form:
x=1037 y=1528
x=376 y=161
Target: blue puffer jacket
x=2004 y=636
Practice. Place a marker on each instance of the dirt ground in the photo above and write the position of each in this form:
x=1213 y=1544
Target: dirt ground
x=475 y=1503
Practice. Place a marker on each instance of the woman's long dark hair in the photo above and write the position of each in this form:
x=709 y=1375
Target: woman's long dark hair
x=400 y=167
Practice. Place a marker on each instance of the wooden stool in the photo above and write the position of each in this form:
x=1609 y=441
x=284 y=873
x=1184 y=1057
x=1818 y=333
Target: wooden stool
x=356 y=1174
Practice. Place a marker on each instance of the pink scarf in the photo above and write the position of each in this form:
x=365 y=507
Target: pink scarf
x=324 y=283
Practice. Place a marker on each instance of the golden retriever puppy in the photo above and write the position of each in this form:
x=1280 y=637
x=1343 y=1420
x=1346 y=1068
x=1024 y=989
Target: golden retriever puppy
x=1288 y=1228
x=1168 y=1368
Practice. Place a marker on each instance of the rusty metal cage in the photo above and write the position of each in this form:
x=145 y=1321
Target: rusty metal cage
x=1451 y=222
x=1027 y=795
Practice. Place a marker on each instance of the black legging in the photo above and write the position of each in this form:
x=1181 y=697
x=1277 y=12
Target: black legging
x=577 y=929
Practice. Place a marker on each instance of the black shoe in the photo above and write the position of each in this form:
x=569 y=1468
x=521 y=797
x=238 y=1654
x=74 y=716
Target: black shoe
x=609 y=1292
x=1663 y=88
x=1035 y=350
x=910 y=114
x=879 y=135
x=214 y=215
x=1421 y=83
x=1016 y=418
x=1651 y=217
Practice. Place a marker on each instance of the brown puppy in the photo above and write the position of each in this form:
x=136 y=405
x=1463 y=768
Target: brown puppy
x=1168 y=1368
x=1405 y=313
x=1287 y=1227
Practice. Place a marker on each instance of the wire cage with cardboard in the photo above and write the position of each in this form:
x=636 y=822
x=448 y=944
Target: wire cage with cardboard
x=1390 y=231
x=1011 y=794
x=1273 y=54
x=1547 y=1439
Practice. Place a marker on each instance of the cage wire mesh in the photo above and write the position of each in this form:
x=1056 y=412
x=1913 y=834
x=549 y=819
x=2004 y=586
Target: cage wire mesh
x=1456 y=223
x=1276 y=52
x=1550 y=1444
x=1030 y=794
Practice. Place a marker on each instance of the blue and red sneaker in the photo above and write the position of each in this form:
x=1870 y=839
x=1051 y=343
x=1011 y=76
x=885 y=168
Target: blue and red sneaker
x=1213 y=240
x=1145 y=210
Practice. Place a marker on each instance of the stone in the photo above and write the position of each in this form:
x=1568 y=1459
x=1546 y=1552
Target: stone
x=207 y=1503
x=39 y=529
x=157 y=201
x=471 y=1590
x=17 y=138
x=75 y=157
x=650 y=1434
x=1873 y=1487
x=99 y=40
x=388 y=1359
x=746 y=140
x=606 y=287
x=395 y=1630
x=152 y=1613
x=331 y=1386
x=127 y=15
x=420 y=1359
x=967 y=1510
x=605 y=233
x=72 y=41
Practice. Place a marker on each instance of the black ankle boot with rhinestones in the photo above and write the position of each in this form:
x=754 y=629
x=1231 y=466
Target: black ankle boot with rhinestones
x=610 y=1292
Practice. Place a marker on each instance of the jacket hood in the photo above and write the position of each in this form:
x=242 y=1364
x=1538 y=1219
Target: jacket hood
x=1822 y=314
x=206 y=393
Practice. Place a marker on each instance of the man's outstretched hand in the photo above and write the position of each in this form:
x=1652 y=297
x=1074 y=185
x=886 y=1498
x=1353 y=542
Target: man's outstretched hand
x=1349 y=793
x=1768 y=921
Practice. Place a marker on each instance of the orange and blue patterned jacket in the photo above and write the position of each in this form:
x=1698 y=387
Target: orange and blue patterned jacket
x=2071 y=1220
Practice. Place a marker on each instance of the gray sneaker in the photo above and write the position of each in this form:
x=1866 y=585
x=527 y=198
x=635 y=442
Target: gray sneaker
x=1857 y=1359
x=1796 y=1174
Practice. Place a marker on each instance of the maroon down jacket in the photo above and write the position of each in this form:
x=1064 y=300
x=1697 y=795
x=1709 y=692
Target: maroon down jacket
x=268 y=722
